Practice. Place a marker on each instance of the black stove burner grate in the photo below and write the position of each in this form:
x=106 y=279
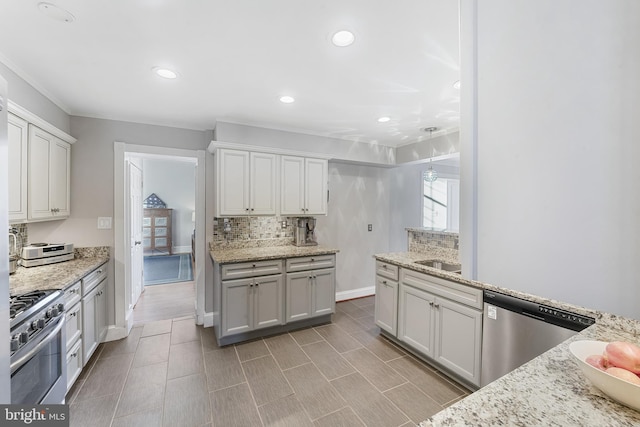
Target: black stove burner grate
x=20 y=303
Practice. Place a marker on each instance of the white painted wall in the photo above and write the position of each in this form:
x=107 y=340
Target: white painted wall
x=26 y=96
x=442 y=144
x=174 y=182
x=359 y=195
x=558 y=101
x=340 y=149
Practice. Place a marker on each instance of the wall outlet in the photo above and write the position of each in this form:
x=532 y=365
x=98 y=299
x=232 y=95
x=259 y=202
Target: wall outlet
x=283 y=224
x=370 y=227
x=104 y=223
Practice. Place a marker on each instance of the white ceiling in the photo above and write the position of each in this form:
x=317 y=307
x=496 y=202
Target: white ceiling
x=237 y=57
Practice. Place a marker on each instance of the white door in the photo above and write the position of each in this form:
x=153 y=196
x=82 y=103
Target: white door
x=135 y=216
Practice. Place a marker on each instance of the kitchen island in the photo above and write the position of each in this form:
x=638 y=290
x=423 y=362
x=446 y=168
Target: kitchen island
x=264 y=290
x=550 y=390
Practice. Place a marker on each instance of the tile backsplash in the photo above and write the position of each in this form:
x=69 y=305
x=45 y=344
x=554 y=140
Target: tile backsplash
x=419 y=238
x=259 y=231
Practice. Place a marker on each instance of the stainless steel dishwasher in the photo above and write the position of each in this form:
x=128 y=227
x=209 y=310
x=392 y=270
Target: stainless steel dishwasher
x=514 y=331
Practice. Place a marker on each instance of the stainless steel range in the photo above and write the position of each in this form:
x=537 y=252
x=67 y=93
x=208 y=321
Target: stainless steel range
x=35 y=254
x=37 y=348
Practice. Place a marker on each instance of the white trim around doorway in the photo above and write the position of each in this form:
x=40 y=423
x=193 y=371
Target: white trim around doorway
x=124 y=313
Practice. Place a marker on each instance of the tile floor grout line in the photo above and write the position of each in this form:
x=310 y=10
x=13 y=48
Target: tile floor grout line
x=253 y=397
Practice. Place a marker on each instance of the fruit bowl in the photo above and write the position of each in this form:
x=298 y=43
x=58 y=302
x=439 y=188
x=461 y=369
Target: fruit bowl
x=619 y=390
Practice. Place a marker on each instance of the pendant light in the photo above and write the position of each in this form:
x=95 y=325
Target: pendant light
x=430 y=175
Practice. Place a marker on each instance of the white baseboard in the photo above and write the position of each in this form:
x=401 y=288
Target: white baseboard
x=181 y=250
x=355 y=293
x=208 y=320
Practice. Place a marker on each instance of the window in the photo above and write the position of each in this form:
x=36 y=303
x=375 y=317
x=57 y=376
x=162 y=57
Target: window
x=440 y=204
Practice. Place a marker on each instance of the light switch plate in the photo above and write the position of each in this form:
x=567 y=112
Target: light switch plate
x=104 y=223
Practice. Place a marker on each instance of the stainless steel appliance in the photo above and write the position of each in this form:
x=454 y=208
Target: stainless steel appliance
x=304 y=233
x=37 y=348
x=35 y=254
x=514 y=331
x=13 y=250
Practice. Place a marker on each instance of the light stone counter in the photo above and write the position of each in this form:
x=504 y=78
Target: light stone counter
x=550 y=390
x=60 y=275
x=223 y=255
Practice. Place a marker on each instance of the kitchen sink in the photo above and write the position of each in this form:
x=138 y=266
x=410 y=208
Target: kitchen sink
x=441 y=265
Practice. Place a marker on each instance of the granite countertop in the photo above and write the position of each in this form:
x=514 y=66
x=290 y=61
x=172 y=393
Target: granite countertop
x=56 y=276
x=224 y=255
x=550 y=390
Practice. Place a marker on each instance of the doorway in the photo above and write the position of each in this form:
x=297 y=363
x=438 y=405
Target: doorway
x=191 y=292
x=164 y=222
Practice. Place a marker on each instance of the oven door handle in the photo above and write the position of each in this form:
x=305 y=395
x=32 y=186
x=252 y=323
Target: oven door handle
x=46 y=340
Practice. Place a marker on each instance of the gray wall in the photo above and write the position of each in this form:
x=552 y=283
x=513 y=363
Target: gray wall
x=557 y=148
x=359 y=195
x=437 y=146
x=338 y=148
x=26 y=96
x=92 y=175
x=175 y=183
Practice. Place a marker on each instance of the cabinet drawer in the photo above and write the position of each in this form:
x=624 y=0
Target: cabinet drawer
x=72 y=294
x=310 y=263
x=251 y=269
x=451 y=290
x=387 y=270
x=92 y=279
x=73 y=319
x=74 y=363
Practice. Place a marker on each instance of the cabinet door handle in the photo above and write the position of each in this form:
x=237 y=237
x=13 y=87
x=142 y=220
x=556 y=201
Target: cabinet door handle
x=436 y=305
x=384 y=282
x=431 y=303
x=137 y=242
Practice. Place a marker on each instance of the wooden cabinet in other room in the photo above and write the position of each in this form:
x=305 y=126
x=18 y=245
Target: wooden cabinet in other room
x=157 y=231
x=49 y=176
x=245 y=183
x=303 y=186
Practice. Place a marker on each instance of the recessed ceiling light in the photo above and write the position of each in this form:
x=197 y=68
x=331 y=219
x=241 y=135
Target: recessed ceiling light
x=56 y=12
x=286 y=99
x=456 y=84
x=165 y=73
x=384 y=119
x=343 y=38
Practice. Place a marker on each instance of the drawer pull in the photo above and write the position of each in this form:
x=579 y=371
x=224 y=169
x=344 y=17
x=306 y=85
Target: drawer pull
x=253 y=265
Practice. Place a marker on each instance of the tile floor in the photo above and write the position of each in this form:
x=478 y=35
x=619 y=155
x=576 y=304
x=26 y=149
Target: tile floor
x=172 y=373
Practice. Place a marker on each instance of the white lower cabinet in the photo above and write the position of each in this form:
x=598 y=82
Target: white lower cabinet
x=74 y=363
x=386 y=308
x=416 y=322
x=252 y=303
x=73 y=321
x=309 y=293
x=437 y=318
x=94 y=311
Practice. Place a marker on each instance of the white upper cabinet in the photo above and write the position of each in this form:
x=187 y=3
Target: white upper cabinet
x=17 y=171
x=49 y=176
x=303 y=186
x=246 y=183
